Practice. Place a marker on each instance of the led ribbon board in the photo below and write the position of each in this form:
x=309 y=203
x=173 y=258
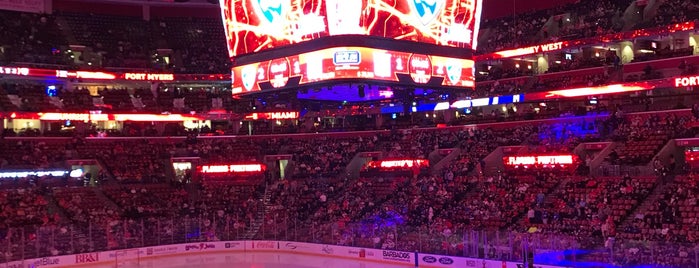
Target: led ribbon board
x=238 y=168
x=540 y=160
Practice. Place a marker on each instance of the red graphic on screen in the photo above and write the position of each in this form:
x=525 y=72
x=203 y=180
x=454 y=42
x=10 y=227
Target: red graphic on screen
x=420 y=68
x=255 y=25
x=279 y=72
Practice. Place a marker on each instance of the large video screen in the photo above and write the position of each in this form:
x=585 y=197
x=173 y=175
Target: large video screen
x=349 y=63
x=256 y=25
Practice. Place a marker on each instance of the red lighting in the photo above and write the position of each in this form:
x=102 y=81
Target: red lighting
x=531 y=50
x=407 y=163
x=542 y=160
x=601 y=90
x=149 y=77
x=95 y=117
x=73 y=117
x=155 y=117
x=246 y=168
x=273 y=116
x=686 y=81
x=85 y=75
x=14 y=71
x=659 y=31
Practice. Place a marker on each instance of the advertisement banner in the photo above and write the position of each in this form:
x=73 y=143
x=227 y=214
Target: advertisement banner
x=31 y=6
x=232 y=245
x=397 y=256
x=431 y=260
x=300 y=247
x=163 y=250
x=193 y=249
x=255 y=25
x=87 y=258
x=262 y=245
x=200 y=246
x=353 y=63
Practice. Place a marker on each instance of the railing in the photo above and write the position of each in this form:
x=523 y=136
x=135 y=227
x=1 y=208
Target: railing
x=438 y=238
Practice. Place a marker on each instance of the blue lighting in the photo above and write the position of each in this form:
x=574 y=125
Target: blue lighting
x=51 y=91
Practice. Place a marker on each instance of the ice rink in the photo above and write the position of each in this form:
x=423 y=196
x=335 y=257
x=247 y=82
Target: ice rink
x=246 y=260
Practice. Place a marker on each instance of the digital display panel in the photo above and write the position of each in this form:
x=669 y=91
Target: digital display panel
x=539 y=160
x=239 y=168
x=256 y=25
x=349 y=63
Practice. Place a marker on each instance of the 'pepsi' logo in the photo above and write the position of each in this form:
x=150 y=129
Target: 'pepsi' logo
x=427 y=10
x=429 y=259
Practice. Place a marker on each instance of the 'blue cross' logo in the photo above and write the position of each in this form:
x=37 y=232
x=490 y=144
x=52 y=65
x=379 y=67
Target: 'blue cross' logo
x=271 y=10
x=427 y=10
x=248 y=74
x=454 y=71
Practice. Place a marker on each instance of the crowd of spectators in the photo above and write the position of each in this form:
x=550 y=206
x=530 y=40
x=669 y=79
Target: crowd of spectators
x=573 y=21
x=326 y=157
x=644 y=135
x=31 y=38
x=190 y=45
x=675 y=11
x=421 y=211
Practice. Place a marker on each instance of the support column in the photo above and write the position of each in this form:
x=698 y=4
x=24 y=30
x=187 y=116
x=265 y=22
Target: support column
x=146 y=12
x=379 y=120
x=694 y=42
x=626 y=52
x=542 y=64
x=48 y=6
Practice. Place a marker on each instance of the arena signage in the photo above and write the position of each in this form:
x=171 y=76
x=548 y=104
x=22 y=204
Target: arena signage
x=386 y=164
x=200 y=246
x=24 y=174
x=46 y=262
x=265 y=245
x=539 y=160
x=87 y=258
x=532 y=50
x=85 y=75
x=14 y=71
x=403 y=163
x=396 y=255
x=273 y=116
x=149 y=77
x=687 y=81
x=232 y=168
x=74 y=117
x=115 y=117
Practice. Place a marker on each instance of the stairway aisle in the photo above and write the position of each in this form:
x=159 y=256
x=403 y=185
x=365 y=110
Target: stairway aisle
x=260 y=216
x=650 y=201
